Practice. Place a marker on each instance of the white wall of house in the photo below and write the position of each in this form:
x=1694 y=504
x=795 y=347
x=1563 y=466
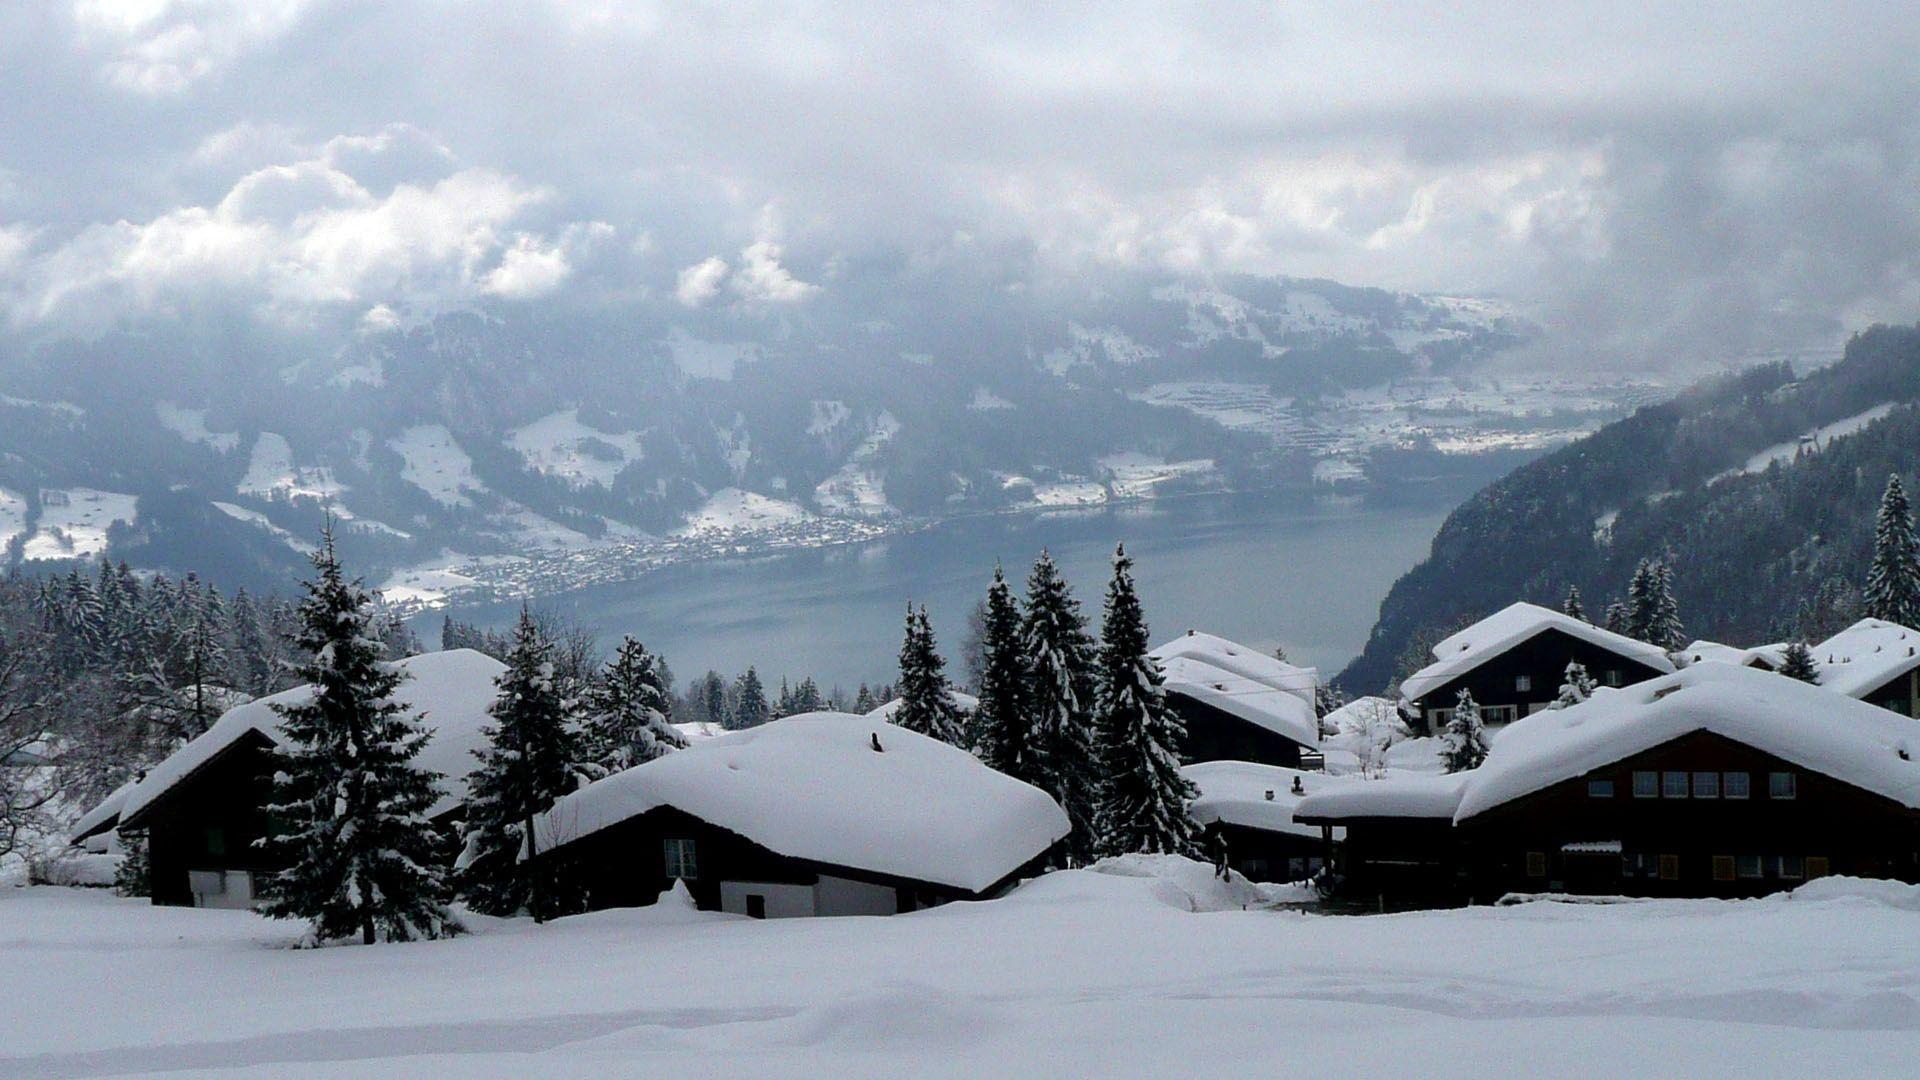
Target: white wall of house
x=840 y=896
x=782 y=901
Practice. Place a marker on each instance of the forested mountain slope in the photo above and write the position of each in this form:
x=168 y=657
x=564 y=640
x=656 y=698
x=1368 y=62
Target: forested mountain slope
x=1760 y=490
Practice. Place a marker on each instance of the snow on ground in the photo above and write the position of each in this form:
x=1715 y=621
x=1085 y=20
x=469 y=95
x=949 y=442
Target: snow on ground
x=562 y=445
x=1082 y=973
x=1813 y=441
x=857 y=487
x=63 y=408
x=428 y=584
x=435 y=464
x=255 y=517
x=1234 y=406
x=73 y=522
x=734 y=510
x=1134 y=475
x=985 y=400
x=191 y=425
x=271 y=472
x=827 y=415
x=13 y=516
x=708 y=359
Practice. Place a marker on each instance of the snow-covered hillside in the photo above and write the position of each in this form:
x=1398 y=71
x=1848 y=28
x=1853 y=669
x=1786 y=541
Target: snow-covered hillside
x=1082 y=973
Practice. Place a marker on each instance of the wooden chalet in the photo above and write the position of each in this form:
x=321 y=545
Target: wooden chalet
x=1514 y=662
x=1876 y=661
x=1718 y=781
x=818 y=814
x=204 y=808
x=1248 y=813
x=1239 y=704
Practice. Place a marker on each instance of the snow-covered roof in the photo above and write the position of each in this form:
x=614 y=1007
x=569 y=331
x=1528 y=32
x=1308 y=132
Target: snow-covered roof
x=1279 y=711
x=1826 y=733
x=1465 y=650
x=1248 y=663
x=1236 y=792
x=448 y=691
x=812 y=787
x=1704 y=651
x=1864 y=656
x=102 y=817
x=961 y=700
x=1396 y=795
x=699 y=731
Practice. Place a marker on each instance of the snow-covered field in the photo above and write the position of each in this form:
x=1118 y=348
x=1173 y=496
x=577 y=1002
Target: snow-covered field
x=271 y=472
x=1081 y=974
x=435 y=464
x=74 y=523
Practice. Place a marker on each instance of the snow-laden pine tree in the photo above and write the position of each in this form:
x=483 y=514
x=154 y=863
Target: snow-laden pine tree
x=750 y=708
x=1463 y=743
x=532 y=757
x=807 y=698
x=926 y=698
x=349 y=807
x=863 y=702
x=713 y=694
x=1572 y=606
x=1575 y=688
x=626 y=712
x=1145 y=802
x=1061 y=664
x=1653 y=616
x=1619 y=617
x=1797 y=662
x=1003 y=721
x=1893 y=578
x=1639 y=604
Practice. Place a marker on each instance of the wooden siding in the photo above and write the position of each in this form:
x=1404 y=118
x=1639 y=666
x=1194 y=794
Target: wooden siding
x=1214 y=734
x=1543 y=659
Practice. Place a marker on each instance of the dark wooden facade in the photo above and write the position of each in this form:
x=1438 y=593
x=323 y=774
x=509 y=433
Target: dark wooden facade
x=1213 y=734
x=1594 y=834
x=1397 y=861
x=204 y=829
x=1900 y=693
x=626 y=865
x=1527 y=677
x=1266 y=855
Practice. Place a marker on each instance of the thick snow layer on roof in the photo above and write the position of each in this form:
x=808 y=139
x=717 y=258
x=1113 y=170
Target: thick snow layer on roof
x=699 y=730
x=1279 y=711
x=1396 y=795
x=1511 y=625
x=448 y=691
x=1861 y=658
x=1826 y=733
x=1713 y=651
x=1248 y=663
x=1257 y=796
x=961 y=700
x=812 y=787
x=103 y=816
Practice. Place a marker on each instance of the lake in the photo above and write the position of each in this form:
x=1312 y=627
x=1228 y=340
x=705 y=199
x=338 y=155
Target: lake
x=1267 y=569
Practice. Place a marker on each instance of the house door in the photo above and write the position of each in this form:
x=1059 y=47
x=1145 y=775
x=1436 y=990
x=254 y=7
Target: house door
x=1592 y=873
x=756 y=906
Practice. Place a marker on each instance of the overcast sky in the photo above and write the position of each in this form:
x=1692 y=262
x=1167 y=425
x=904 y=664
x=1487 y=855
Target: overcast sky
x=1655 y=182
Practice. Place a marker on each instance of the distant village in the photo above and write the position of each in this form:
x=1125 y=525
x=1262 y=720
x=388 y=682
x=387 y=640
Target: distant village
x=1537 y=753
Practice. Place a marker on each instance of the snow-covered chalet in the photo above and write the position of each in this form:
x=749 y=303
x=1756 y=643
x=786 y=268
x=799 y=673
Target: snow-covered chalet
x=817 y=814
x=1514 y=661
x=1238 y=703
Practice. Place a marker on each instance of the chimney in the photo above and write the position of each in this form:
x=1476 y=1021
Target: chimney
x=1269 y=794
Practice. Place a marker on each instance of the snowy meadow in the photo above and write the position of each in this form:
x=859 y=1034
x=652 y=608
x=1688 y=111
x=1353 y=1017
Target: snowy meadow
x=1141 y=968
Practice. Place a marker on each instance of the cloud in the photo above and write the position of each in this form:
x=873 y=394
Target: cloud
x=159 y=47
x=528 y=269
x=762 y=279
x=700 y=282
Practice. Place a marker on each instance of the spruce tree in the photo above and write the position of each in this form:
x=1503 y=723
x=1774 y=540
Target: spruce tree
x=531 y=758
x=863 y=702
x=1061 y=681
x=1572 y=606
x=926 y=698
x=713 y=692
x=1893 y=578
x=350 y=805
x=1576 y=688
x=1619 y=616
x=1665 y=628
x=1463 y=744
x=1003 y=722
x=1145 y=801
x=1640 y=602
x=1797 y=663
x=751 y=709
x=806 y=698
x=627 y=710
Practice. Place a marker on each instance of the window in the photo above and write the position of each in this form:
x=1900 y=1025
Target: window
x=1673 y=785
x=680 y=859
x=1706 y=785
x=1439 y=718
x=1522 y=683
x=1613 y=676
x=1669 y=868
x=1500 y=714
x=1599 y=789
x=1790 y=867
x=1636 y=865
x=1782 y=785
x=1747 y=866
x=1723 y=868
x=1536 y=864
x=216 y=841
x=1733 y=785
x=1817 y=866
x=1646 y=785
